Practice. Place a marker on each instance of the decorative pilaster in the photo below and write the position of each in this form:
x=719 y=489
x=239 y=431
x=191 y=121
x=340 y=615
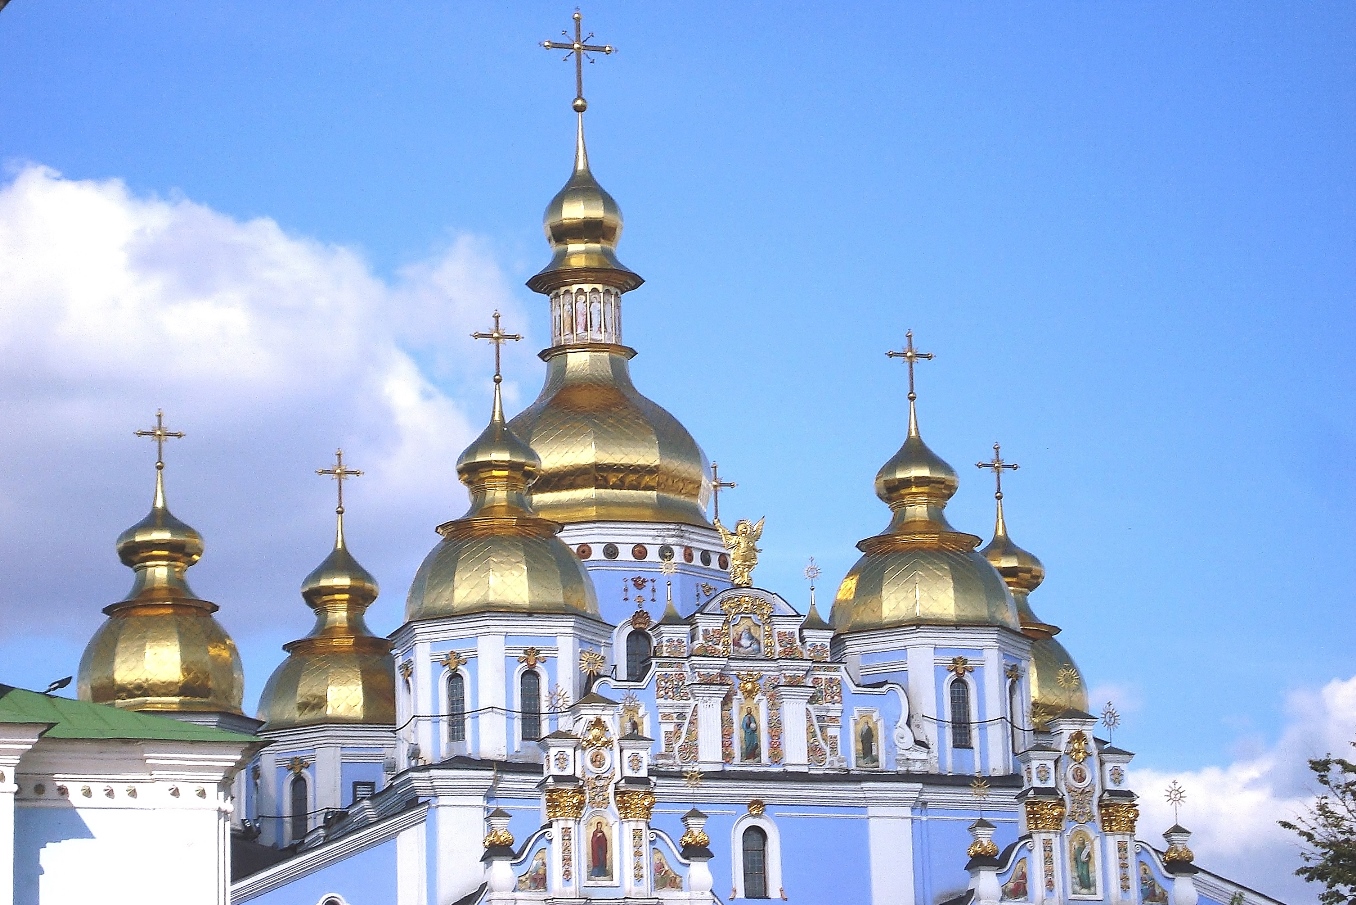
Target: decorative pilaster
x=709 y=698
x=1044 y=819
x=14 y=744
x=634 y=807
x=983 y=864
x=1118 y=815
x=795 y=705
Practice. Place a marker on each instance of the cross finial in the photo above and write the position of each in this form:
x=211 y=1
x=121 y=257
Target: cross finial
x=580 y=50
x=717 y=485
x=1175 y=795
x=997 y=465
x=159 y=434
x=911 y=357
x=339 y=473
x=498 y=337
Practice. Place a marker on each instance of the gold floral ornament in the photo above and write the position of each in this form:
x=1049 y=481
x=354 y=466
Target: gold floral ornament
x=453 y=660
x=757 y=807
x=530 y=657
x=1067 y=677
x=742 y=543
x=501 y=837
x=591 y=662
x=693 y=780
x=960 y=666
x=1179 y=853
x=297 y=764
x=564 y=804
x=982 y=848
x=749 y=685
x=1119 y=817
x=596 y=734
x=1013 y=672
x=695 y=838
x=635 y=804
x=1077 y=747
x=1044 y=815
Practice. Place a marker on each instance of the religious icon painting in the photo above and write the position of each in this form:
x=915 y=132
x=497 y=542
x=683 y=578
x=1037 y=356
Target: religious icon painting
x=1016 y=889
x=749 y=736
x=665 y=877
x=746 y=638
x=866 y=741
x=1151 y=892
x=598 y=847
x=1082 y=864
x=598 y=759
x=534 y=878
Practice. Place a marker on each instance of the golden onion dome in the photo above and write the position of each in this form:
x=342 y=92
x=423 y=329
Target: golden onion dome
x=500 y=557
x=920 y=570
x=161 y=649
x=1056 y=683
x=583 y=224
x=340 y=672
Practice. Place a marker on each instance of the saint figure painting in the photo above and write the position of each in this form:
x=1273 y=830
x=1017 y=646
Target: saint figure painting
x=868 y=742
x=750 y=748
x=600 y=850
x=744 y=638
x=1082 y=864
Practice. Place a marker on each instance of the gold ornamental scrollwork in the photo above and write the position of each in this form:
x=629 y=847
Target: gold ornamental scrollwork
x=738 y=606
x=1119 y=817
x=498 y=837
x=749 y=685
x=596 y=734
x=1077 y=747
x=564 y=804
x=634 y=805
x=695 y=838
x=982 y=848
x=1179 y=853
x=1044 y=815
x=757 y=807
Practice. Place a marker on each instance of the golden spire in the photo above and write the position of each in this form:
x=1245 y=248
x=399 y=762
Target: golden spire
x=717 y=485
x=339 y=473
x=160 y=435
x=160 y=548
x=997 y=465
x=1021 y=571
x=911 y=357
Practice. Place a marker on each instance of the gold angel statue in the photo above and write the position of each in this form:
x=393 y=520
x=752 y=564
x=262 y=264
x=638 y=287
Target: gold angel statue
x=742 y=543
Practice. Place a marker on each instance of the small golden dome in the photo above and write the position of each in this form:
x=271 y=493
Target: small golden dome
x=500 y=557
x=161 y=649
x=607 y=452
x=340 y=672
x=1056 y=683
x=920 y=570
x=583 y=224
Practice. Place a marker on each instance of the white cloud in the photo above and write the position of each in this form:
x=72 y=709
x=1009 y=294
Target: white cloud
x=1232 y=809
x=269 y=350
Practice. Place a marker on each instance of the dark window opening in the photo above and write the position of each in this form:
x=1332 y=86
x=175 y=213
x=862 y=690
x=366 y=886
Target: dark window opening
x=298 y=795
x=456 y=708
x=638 y=648
x=960 y=714
x=755 y=863
x=529 y=688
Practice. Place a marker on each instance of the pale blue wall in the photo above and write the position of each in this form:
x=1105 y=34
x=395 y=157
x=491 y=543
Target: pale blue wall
x=367 y=878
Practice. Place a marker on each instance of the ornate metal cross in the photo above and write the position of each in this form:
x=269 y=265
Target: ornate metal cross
x=580 y=51
x=498 y=337
x=997 y=465
x=339 y=473
x=717 y=485
x=160 y=435
x=910 y=356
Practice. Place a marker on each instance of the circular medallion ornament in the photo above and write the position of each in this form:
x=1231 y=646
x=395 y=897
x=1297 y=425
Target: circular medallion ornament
x=1079 y=775
x=687 y=554
x=639 y=551
x=1117 y=776
x=610 y=551
x=706 y=557
x=584 y=551
x=666 y=553
x=598 y=759
x=724 y=562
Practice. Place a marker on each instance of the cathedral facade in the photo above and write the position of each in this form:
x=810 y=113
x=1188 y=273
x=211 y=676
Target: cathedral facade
x=592 y=698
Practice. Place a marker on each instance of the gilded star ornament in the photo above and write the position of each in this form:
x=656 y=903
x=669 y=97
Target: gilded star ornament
x=1111 y=718
x=1067 y=677
x=668 y=567
x=979 y=788
x=558 y=699
x=591 y=662
x=692 y=779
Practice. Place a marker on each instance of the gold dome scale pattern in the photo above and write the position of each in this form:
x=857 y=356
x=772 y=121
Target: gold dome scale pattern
x=340 y=672
x=161 y=649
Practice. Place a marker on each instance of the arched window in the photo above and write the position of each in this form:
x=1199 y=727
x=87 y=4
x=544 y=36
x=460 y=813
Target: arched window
x=529 y=694
x=297 y=793
x=960 y=714
x=1015 y=717
x=456 y=708
x=755 y=863
x=638 y=647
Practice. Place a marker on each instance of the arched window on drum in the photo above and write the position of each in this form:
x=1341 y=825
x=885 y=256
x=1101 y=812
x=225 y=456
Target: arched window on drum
x=639 y=645
x=960 y=714
x=529 y=696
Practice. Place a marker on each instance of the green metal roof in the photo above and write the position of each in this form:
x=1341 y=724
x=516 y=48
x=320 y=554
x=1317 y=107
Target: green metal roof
x=81 y=719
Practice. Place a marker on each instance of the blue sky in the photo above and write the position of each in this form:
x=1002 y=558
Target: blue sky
x=1125 y=231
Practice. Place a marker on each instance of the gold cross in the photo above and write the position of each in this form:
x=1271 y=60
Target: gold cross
x=339 y=473
x=997 y=465
x=580 y=51
x=910 y=356
x=498 y=337
x=717 y=485
x=160 y=435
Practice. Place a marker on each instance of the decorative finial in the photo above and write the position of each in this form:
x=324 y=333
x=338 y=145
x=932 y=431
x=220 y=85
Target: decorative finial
x=717 y=485
x=339 y=473
x=911 y=356
x=979 y=788
x=996 y=465
x=497 y=337
x=812 y=573
x=1175 y=795
x=159 y=434
x=1111 y=718
x=580 y=50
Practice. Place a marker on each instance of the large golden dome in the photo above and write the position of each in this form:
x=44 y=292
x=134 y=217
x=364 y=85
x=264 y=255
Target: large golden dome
x=1056 y=684
x=340 y=672
x=920 y=570
x=500 y=557
x=607 y=452
x=160 y=648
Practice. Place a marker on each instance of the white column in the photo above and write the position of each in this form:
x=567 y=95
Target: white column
x=923 y=695
x=890 y=843
x=995 y=754
x=15 y=740
x=329 y=782
x=709 y=698
x=492 y=699
x=795 y=745
x=412 y=866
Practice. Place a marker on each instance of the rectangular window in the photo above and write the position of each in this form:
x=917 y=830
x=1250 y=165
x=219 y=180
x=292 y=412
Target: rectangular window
x=363 y=790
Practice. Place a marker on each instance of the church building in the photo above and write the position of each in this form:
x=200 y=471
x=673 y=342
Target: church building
x=592 y=698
